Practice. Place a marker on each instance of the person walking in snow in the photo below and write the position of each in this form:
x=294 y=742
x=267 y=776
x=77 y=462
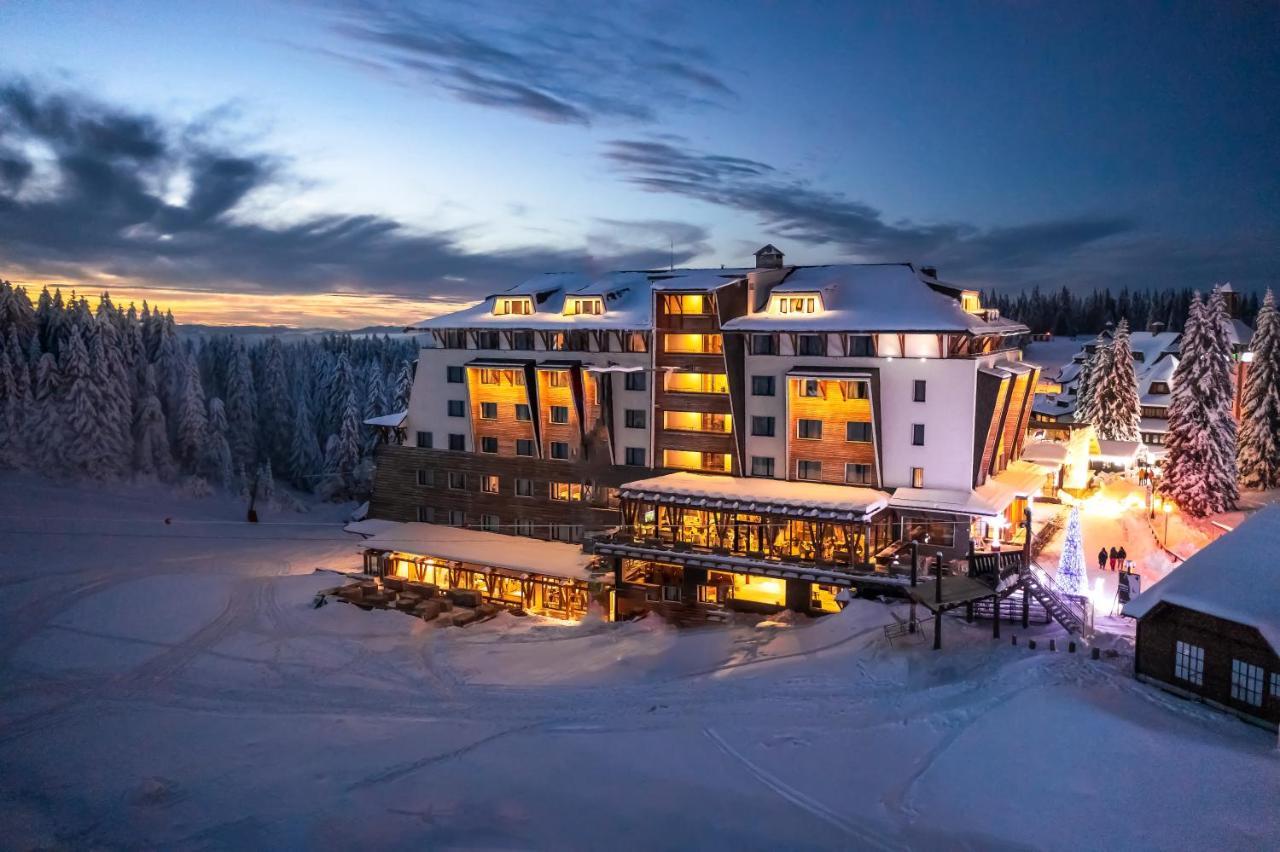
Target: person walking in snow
x=1115 y=556
x=1102 y=559
x=1123 y=560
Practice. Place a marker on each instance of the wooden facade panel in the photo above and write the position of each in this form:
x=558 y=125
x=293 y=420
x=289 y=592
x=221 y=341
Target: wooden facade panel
x=1222 y=641
x=510 y=391
x=558 y=396
x=994 y=428
x=834 y=410
x=1024 y=416
x=1009 y=433
x=398 y=495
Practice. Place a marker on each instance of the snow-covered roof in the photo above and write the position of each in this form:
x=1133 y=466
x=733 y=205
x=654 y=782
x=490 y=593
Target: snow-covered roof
x=1117 y=450
x=757 y=494
x=1019 y=479
x=696 y=279
x=1234 y=578
x=953 y=501
x=513 y=553
x=394 y=420
x=1045 y=452
x=870 y=297
x=628 y=304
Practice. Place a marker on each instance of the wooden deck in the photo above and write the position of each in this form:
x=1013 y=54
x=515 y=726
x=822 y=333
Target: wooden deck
x=956 y=590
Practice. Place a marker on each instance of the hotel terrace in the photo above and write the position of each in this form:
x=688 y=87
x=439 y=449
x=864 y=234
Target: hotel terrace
x=751 y=438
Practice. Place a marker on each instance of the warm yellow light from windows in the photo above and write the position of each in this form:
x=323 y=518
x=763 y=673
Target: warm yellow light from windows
x=765 y=590
x=971 y=302
x=697 y=383
x=687 y=303
x=694 y=460
x=697 y=421
x=694 y=344
x=592 y=306
x=519 y=306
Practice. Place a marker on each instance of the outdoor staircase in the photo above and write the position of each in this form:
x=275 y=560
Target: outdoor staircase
x=1071 y=611
x=1011 y=608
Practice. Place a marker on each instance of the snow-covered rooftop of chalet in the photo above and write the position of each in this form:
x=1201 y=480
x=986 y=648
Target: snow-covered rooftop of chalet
x=1234 y=578
x=1020 y=479
x=393 y=420
x=869 y=297
x=1052 y=453
x=513 y=553
x=696 y=279
x=759 y=494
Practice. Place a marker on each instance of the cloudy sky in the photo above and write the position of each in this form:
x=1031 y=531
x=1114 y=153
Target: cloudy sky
x=353 y=162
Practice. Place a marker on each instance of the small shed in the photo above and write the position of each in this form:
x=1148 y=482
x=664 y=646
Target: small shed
x=1211 y=629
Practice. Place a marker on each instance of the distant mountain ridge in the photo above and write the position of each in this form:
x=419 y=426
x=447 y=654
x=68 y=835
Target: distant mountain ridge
x=202 y=329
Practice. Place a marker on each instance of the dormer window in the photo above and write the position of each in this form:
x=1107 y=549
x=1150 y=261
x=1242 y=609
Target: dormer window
x=1159 y=388
x=797 y=304
x=522 y=306
x=971 y=302
x=592 y=306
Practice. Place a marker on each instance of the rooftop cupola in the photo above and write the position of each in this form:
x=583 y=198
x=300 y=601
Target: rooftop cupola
x=768 y=256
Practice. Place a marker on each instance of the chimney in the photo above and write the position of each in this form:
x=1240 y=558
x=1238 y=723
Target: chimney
x=768 y=256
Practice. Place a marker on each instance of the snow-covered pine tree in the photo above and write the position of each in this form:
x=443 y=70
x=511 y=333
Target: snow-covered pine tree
x=193 y=424
x=1259 y=445
x=1095 y=367
x=305 y=459
x=151 y=454
x=275 y=417
x=342 y=454
x=1072 y=577
x=375 y=402
x=404 y=385
x=242 y=408
x=82 y=443
x=216 y=465
x=1200 y=458
x=10 y=414
x=1118 y=412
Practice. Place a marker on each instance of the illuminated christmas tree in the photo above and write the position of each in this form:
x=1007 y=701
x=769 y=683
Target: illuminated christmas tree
x=1071 y=570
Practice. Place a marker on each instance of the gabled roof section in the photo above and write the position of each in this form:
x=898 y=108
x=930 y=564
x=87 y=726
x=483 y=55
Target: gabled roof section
x=1233 y=578
x=871 y=297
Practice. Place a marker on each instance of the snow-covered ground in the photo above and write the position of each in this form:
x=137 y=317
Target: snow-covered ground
x=171 y=686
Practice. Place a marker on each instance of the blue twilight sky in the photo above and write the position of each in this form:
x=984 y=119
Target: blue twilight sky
x=272 y=160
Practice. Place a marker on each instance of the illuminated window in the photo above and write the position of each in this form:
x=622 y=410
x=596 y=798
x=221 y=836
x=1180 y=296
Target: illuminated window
x=696 y=421
x=808 y=469
x=566 y=491
x=490 y=377
x=697 y=383
x=797 y=304
x=688 y=304
x=504 y=306
x=635 y=341
x=558 y=378
x=694 y=344
x=694 y=460
x=811 y=429
x=809 y=388
x=970 y=302
x=1188 y=663
x=1246 y=682
x=917 y=477
x=489 y=484
x=559 y=414
x=586 y=306
x=488 y=411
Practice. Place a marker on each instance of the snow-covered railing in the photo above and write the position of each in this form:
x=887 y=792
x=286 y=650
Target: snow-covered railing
x=1076 y=607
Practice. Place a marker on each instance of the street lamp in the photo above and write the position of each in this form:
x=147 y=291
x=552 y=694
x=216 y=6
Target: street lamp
x=1168 y=510
x=1155 y=505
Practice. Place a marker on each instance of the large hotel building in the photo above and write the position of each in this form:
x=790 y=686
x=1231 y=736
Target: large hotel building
x=692 y=440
